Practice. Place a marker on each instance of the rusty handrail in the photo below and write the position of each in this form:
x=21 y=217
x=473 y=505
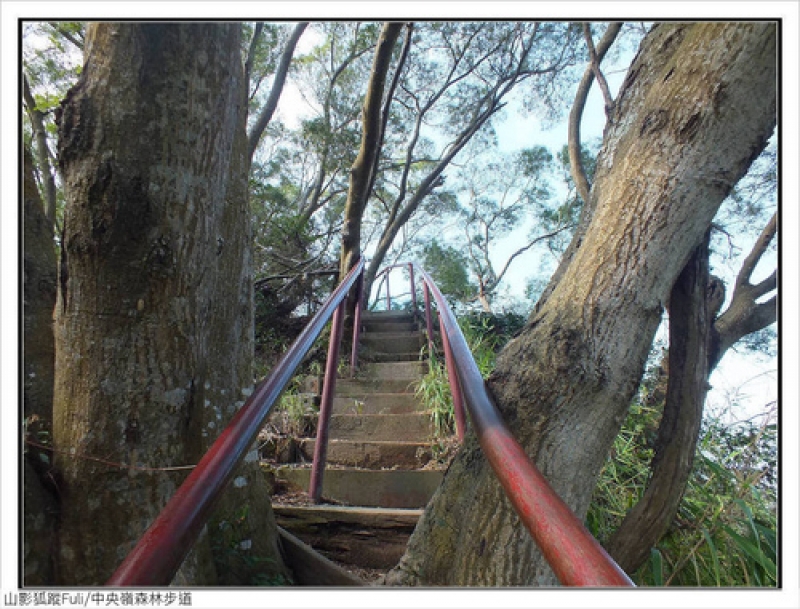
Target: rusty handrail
x=573 y=553
x=164 y=546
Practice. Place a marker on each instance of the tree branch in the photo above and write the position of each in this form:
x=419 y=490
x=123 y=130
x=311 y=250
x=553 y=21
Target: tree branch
x=387 y=105
x=574 y=126
x=251 y=53
x=68 y=35
x=275 y=93
x=744 y=315
x=525 y=248
x=598 y=74
x=42 y=151
x=370 y=146
x=760 y=246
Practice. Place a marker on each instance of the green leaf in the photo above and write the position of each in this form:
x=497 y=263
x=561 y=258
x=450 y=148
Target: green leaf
x=714 y=556
x=657 y=566
x=755 y=553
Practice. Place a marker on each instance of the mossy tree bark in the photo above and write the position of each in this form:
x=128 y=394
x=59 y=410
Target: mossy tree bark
x=154 y=330
x=373 y=118
x=697 y=106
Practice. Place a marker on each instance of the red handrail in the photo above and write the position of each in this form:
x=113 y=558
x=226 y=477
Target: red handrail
x=326 y=404
x=575 y=556
x=160 y=552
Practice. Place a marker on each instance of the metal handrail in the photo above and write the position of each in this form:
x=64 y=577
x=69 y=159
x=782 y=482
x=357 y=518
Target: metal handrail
x=576 y=557
x=159 y=553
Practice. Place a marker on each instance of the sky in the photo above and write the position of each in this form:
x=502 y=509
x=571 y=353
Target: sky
x=9 y=265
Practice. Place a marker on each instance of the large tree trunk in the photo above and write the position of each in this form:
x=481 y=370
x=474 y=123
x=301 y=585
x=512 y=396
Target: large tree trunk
x=154 y=320
x=40 y=504
x=696 y=108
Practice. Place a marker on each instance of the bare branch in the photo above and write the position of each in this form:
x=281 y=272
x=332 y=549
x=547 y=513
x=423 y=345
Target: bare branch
x=766 y=286
x=598 y=74
x=525 y=248
x=275 y=93
x=744 y=315
x=760 y=246
x=574 y=134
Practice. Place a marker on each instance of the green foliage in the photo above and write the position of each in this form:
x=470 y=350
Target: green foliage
x=295 y=410
x=625 y=475
x=448 y=267
x=725 y=530
x=433 y=391
x=51 y=61
x=485 y=335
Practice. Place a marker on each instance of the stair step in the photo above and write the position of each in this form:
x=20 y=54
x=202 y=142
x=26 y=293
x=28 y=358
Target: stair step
x=376 y=403
x=387 y=316
x=392 y=370
x=392 y=342
x=377 y=517
x=369 y=355
x=371 y=454
x=395 y=488
x=374 y=538
x=395 y=327
x=408 y=427
x=363 y=387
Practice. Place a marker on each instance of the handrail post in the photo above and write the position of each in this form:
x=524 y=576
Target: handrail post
x=326 y=405
x=357 y=325
x=455 y=386
x=388 y=295
x=426 y=294
x=413 y=290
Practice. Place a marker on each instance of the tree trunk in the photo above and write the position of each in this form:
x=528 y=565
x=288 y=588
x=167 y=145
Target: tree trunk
x=686 y=127
x=37 y=368
x=690 y=318
x=361 y=171
x=649 y=519
x=154 y=320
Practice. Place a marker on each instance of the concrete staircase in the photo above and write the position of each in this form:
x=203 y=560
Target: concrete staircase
x=380 y=441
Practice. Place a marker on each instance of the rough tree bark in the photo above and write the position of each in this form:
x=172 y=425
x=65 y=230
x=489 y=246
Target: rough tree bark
x=686 y=127
x=39 y=299
x=154 y=319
